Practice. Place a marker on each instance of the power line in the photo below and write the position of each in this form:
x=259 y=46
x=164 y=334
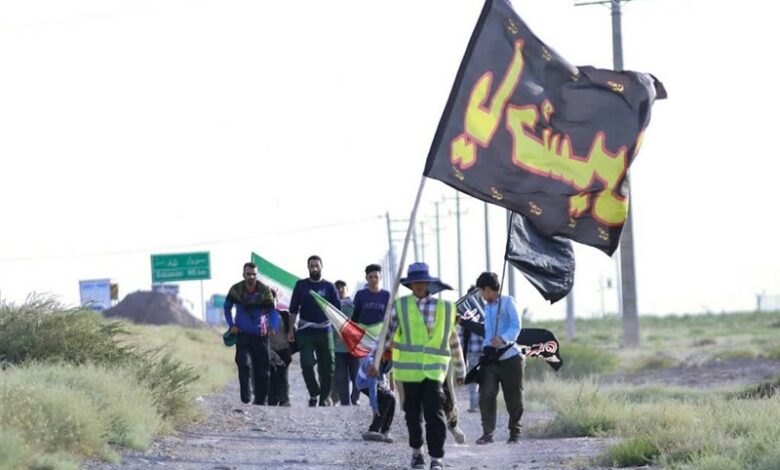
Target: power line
x=190 y=245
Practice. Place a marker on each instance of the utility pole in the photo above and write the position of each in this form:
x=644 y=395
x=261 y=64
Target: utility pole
x=487 y=239
x=460 y=258
x=570 y=315
x=511 y=274
x=438 y=242
x=628 y=298
x=422 y=241
x=391 y=253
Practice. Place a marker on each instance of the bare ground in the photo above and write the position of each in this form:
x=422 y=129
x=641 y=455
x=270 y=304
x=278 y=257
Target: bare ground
x=237 y=436
x=711 y=374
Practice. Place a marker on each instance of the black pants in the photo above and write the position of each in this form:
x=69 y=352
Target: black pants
x=347 y=366
x=252 y=361
x=386 y=401
x=279 y=390
x=509 y=374
x=426 y=399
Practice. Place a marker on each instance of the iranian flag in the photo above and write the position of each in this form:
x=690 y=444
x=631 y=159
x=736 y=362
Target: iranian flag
x=359 y=342
x=276 y=278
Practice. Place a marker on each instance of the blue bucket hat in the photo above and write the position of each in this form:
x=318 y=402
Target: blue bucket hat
x=418 y=272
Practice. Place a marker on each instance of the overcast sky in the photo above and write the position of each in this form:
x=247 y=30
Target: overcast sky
x=131 y=128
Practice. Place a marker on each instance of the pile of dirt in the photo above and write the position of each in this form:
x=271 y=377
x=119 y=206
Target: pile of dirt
x=153 y=308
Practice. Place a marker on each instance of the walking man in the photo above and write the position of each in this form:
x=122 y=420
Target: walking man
x=502 y=325
x=255 y=316
x=424 y=341
x=346 y=364
x=314 y=335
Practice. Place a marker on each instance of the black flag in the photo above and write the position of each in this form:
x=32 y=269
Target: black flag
x=547 y=262
x=526 y=130
x=534 y=342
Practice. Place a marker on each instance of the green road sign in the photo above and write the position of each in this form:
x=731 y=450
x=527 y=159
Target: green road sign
x=181 y=267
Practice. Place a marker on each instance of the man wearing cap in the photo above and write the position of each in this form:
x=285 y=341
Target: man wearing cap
x=424 y=341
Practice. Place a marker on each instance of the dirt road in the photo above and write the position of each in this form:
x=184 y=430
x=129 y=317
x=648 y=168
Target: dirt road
x=237 y=436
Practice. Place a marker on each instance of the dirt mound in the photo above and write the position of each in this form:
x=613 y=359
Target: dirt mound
x=710 y=374
x=153 y=308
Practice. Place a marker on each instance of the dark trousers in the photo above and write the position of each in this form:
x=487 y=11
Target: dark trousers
x=509 y=374
x=321 y=345
x=347 y=366
x=279 y=391
x=252 y=361
x=386 y=401
x=426 y=399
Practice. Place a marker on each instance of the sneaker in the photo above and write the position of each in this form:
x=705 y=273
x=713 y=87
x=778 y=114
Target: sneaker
x=513 y=439
x=485 y=439
x=458 y=434
x=373 y=436
x=313 y=401
x=386 y=437
x=436 y=464
x=418 y=462
x=326 y=402
x=286 y=404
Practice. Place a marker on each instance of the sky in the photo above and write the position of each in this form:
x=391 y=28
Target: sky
x=131 y=128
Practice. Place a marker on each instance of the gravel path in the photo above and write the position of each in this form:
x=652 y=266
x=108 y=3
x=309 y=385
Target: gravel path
x=237 y=436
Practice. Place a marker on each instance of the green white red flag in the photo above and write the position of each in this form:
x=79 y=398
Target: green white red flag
x=276 y=278
x=359 y=342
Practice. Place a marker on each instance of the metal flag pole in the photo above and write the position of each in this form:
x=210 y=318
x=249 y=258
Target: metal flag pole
x=380 y=347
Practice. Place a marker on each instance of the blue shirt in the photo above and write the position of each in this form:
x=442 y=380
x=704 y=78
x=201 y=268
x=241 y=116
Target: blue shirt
x=312 y=319
x=364 y=381
x=249 y=320
x=508 y=327
x=370 y=306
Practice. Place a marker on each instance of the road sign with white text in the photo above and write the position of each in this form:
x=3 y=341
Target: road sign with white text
x=181 y=267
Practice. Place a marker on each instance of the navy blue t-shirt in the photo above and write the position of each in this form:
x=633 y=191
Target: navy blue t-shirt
x=370 y=306
x=307 y=308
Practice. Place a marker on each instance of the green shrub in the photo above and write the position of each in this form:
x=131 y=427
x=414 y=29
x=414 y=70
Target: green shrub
x=632 y=452
x=169 y=382
x=578 y=361
x=14 y=452
x=773 y=353
x=42 y=330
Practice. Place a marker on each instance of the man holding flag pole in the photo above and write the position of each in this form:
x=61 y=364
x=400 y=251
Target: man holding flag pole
x=528 y=131
x=424 y=342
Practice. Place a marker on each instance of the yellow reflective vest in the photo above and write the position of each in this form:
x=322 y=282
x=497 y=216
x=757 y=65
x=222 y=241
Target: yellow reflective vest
x=416 y=354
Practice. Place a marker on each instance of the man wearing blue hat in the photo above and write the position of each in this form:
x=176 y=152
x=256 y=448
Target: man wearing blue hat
x=424 y=342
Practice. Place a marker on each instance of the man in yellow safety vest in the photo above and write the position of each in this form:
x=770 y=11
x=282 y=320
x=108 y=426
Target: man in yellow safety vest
x=424 y=342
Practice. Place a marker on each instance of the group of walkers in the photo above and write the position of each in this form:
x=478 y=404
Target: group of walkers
x=422 y=360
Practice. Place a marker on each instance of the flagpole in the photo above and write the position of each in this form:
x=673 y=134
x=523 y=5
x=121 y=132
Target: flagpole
x=380 y=347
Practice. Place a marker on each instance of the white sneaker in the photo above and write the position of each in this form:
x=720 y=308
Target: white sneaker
x=458 y=434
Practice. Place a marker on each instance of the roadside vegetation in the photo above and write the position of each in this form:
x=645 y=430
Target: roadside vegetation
x=75 y=385
x=657 y=424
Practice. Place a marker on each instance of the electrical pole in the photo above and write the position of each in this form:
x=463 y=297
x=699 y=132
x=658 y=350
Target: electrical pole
x=460 y=258
x=422 y=241
x=438 y=242
x=628 y=298
x=570 y=315
x=511 y=274
x=391 y=253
